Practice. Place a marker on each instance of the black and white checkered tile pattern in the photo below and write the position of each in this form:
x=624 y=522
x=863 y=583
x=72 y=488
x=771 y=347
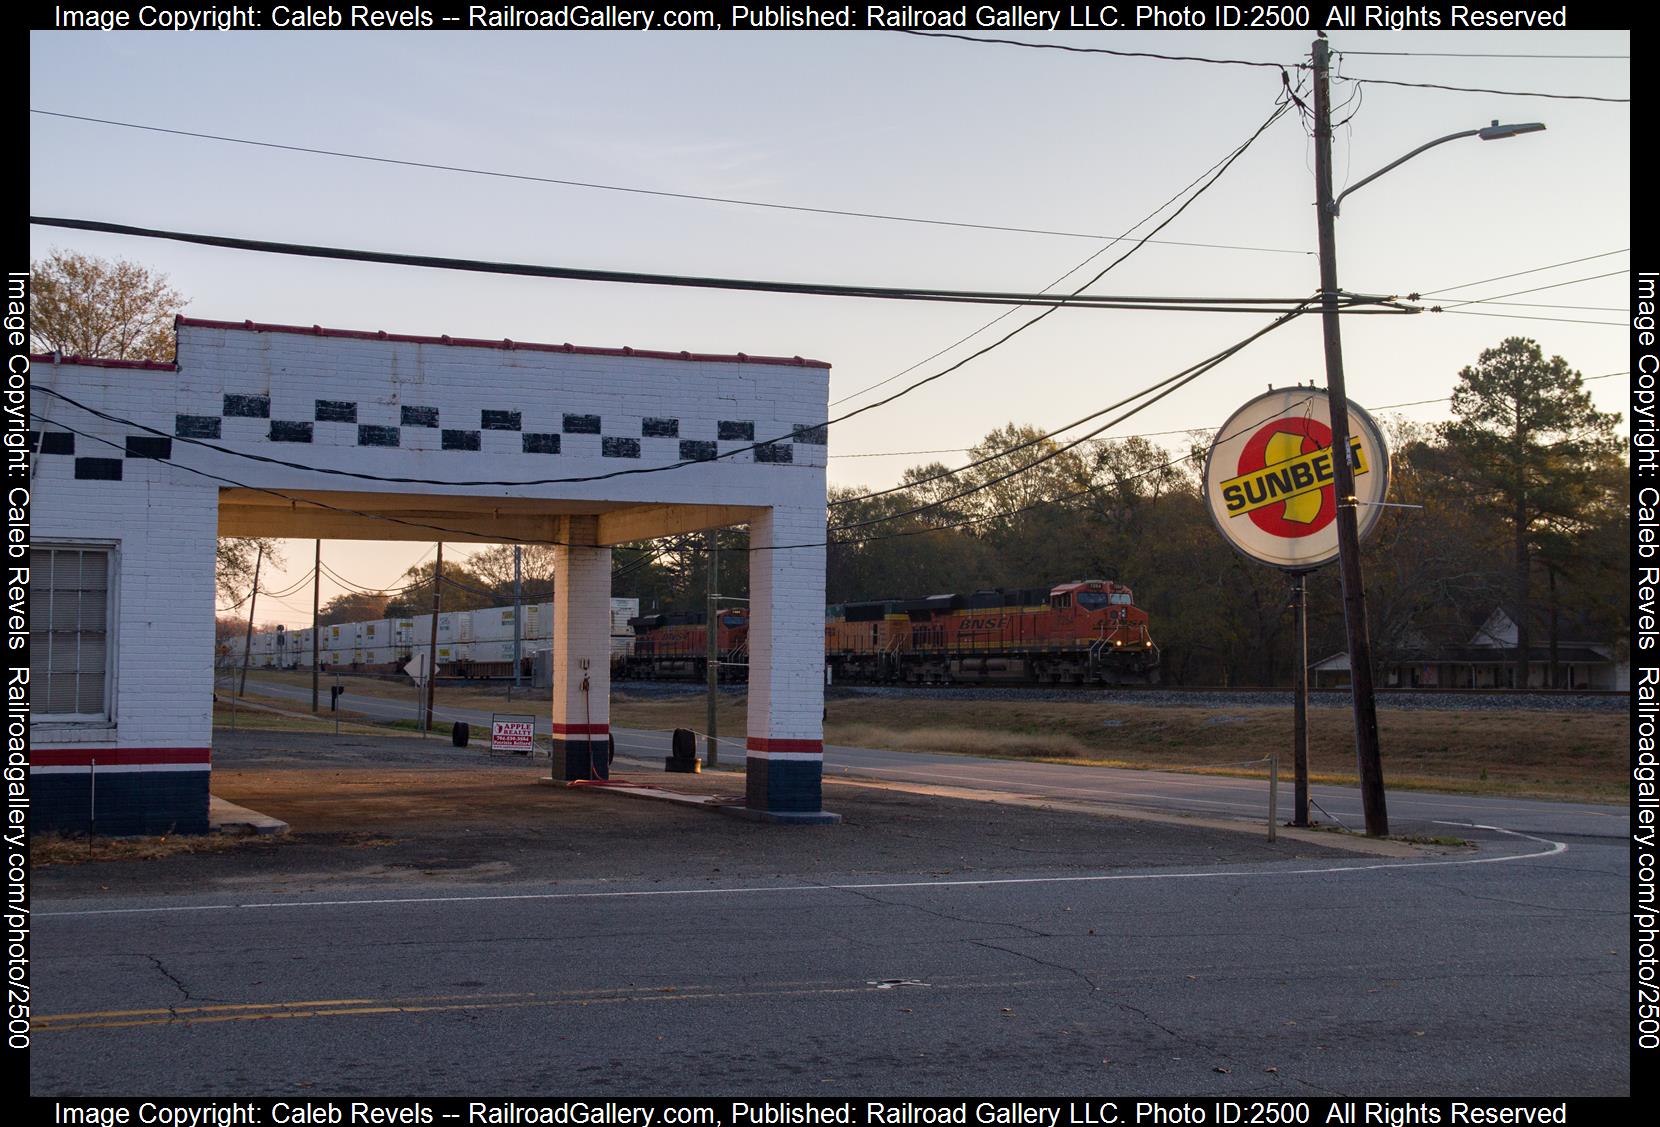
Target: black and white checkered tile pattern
x=466 y=439
x=143 y=446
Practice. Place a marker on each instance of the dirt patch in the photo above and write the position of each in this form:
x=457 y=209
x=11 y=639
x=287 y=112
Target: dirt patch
x=48 y=849
x=1573 y=755
x=379 y=813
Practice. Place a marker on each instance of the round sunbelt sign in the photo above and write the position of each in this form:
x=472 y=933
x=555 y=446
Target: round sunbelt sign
x=1269 y=475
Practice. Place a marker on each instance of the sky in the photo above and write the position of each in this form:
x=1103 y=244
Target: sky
x=875 y=122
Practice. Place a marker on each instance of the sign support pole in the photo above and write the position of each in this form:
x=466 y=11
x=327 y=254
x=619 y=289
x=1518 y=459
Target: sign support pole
x=1299 y=695
x=711 y=657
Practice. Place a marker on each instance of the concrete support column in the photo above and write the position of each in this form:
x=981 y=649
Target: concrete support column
x=785 y=750
x=581 y=655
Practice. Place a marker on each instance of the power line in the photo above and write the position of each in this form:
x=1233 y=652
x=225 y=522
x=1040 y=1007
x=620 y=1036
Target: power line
x=1535 y=289
x=1010 y=312
x=1475 y=55
x=1178 y=430
x=627 y=277
x=650 y=554
x=641 y=191
x=1281 y=67
x=1519 y=273
x=1215 y=174
x=1063 y=498
x=1279 y=110
x=908 y=453
x=1488 y=90
x=1547 y=305
x=301 y=582
x=1168 y=384
x=1169 y=387
x=1530 y=317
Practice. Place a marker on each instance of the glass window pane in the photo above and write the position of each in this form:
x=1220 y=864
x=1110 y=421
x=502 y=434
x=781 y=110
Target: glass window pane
x=69 y=605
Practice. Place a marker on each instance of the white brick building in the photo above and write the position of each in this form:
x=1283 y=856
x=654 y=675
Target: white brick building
x=275 y=430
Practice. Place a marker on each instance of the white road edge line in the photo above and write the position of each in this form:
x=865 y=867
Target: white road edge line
x=1555 y=848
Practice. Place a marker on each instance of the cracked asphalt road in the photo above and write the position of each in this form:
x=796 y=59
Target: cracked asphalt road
x=439 y=923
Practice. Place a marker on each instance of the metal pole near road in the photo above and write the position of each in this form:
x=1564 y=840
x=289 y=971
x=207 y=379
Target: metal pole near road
x=437 y=601
x=711 y=661
x=518 y=596
x=1367 y=752
x=1299 y=694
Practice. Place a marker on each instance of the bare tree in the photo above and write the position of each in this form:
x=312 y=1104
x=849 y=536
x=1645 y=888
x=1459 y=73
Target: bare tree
x=115 y=310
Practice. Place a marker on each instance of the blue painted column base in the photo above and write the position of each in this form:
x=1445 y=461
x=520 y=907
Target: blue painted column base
x=581 y=758
x=783 y=790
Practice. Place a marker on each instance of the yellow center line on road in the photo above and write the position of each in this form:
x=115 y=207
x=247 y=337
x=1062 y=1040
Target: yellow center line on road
x=357 y=1007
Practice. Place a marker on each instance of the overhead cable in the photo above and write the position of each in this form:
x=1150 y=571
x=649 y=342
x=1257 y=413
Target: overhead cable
x=630 y=277
x=1183 y=190
x=1162 y=387
x=1519 y=273
x=645 y=191
x=1488 y=90
x=1096 y=50
x=1278 y=111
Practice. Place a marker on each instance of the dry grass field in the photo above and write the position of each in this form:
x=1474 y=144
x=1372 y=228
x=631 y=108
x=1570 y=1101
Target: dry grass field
x=1578 y=755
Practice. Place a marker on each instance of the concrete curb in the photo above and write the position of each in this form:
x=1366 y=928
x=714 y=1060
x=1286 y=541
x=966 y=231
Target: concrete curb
x=229 y=818
x=1370 y=846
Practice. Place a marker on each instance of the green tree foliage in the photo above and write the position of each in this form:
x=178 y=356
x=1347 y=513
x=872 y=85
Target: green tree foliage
x=1132 y=511
x=353 y=606
x=1539 y=456
x=463 y=589
x=494 y=566
x=672 y=573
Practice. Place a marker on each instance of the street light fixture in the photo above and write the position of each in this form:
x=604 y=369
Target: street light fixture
x=1348 y=537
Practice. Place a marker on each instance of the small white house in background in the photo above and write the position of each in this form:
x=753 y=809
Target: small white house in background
x=1488 y=661
x=301 y=431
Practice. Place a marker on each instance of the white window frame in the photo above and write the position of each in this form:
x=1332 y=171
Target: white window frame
x=112 y=617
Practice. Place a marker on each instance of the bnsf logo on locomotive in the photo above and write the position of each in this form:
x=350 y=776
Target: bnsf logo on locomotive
x=997 y=623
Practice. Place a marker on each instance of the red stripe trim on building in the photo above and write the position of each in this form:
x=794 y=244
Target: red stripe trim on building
x=581 y=729
x=467 y=342
x=117 y=756
x=100 y=362
x=799 y=747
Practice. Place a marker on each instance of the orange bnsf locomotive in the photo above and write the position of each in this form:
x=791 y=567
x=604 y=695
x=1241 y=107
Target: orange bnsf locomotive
x=677 y=645
x=1087 y=632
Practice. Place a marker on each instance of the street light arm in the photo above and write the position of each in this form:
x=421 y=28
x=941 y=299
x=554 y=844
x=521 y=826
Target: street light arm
x=1494 y=132
x=1358 y=184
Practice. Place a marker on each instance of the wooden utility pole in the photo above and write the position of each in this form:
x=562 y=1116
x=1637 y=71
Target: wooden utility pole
x=316 y=631
x=1348 y=534
x=437 y=601
x=518 y=596
x=248 y=639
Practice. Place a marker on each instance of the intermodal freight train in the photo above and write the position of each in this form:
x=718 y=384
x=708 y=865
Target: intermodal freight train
x=1086 y=632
